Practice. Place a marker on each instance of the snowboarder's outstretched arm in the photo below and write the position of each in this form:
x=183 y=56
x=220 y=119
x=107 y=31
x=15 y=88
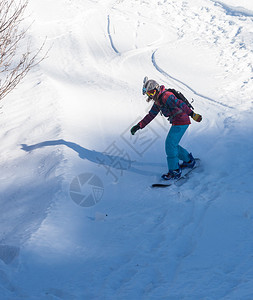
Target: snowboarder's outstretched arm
x=147 y=119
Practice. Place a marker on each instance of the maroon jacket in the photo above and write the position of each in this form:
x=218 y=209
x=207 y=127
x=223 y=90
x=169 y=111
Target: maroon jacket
x=175 y=109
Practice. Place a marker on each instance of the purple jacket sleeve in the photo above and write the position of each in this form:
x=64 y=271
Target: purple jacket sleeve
x=150 y=116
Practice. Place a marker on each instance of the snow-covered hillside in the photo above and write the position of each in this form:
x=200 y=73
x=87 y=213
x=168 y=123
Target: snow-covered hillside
x=78 y=217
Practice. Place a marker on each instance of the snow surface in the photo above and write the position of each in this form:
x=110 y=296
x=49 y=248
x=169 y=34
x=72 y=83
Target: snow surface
x=78 y=217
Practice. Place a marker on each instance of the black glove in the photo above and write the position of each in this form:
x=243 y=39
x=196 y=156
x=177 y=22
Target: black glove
x=135 y=128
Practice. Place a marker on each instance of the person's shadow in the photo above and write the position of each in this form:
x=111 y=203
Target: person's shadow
x=101 y=158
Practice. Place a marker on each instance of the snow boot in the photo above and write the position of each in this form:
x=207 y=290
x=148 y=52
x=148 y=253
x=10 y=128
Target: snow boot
x=175 y=174
x=190 y=164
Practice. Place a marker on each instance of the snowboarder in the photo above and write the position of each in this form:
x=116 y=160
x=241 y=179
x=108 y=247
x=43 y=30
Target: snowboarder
x=177 y=112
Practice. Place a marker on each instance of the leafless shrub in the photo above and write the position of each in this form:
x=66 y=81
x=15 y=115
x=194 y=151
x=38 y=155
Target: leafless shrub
x=16 y=57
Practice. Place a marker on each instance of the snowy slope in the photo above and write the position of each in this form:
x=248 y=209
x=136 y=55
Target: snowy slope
x=66 y=145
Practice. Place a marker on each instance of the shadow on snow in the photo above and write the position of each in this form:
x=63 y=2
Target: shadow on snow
x=100 y=158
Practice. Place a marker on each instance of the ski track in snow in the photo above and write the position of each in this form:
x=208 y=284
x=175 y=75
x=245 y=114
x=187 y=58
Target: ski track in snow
x=184 y=84
x=192 y=241
x=110 y=36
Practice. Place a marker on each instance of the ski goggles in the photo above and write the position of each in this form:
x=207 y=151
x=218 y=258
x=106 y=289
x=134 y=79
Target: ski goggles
x=151 y=93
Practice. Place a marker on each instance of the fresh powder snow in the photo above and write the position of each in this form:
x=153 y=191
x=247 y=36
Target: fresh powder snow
x=79 y=219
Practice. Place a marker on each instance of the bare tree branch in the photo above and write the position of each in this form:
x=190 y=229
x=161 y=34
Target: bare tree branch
x=16 y=60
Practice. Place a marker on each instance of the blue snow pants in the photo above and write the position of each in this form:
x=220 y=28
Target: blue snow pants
x=173 y=150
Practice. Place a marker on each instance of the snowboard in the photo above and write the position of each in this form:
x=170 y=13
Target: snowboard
x=184 y=177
